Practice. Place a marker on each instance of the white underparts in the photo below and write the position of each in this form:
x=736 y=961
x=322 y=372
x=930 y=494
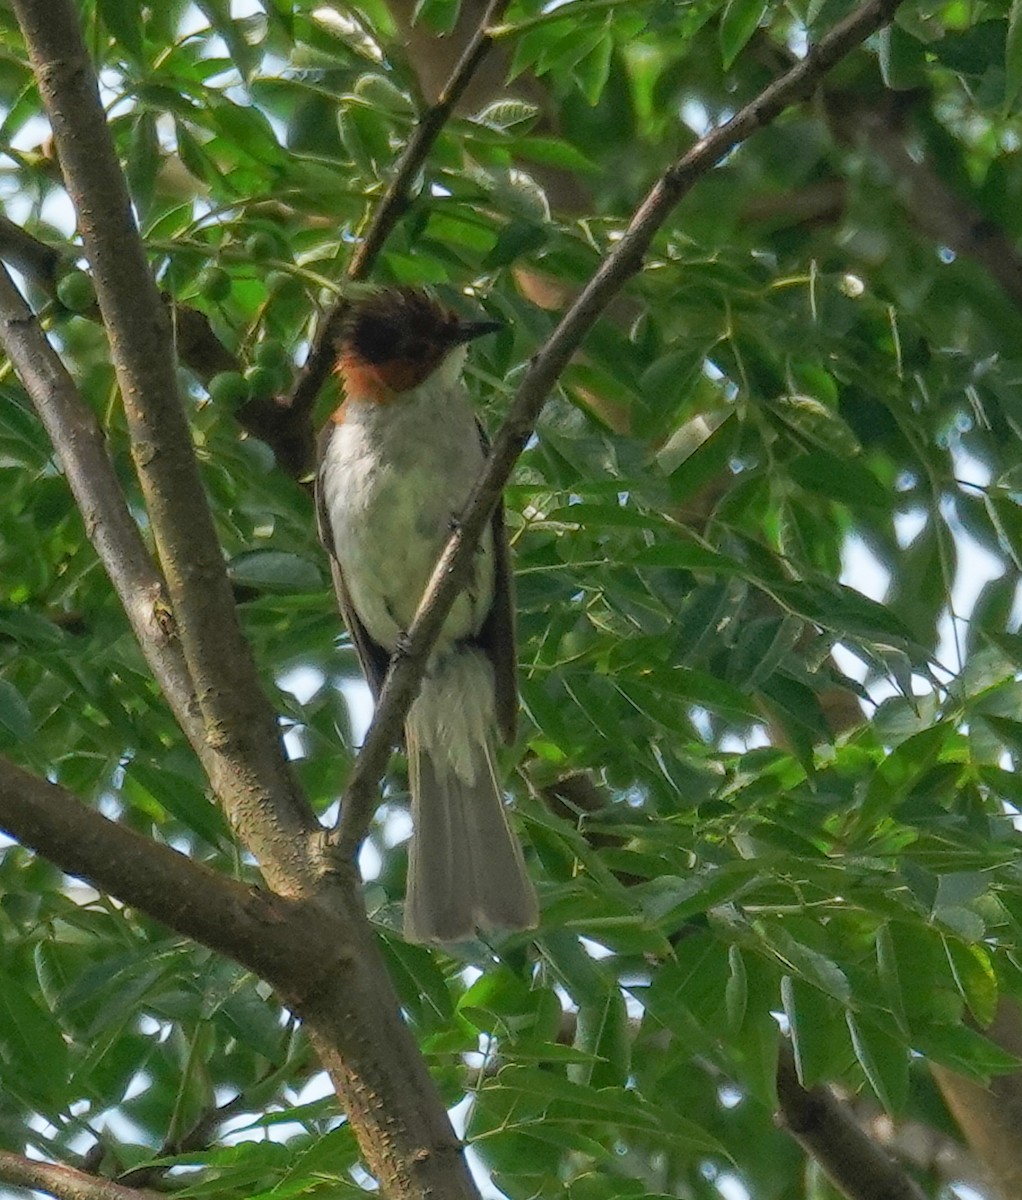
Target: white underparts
x=453 y=717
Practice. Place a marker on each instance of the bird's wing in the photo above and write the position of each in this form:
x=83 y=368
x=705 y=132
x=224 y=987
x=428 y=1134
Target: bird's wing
x=373 y=657
x=497 y=636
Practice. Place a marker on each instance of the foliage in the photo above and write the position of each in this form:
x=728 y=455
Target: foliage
x=771 y=391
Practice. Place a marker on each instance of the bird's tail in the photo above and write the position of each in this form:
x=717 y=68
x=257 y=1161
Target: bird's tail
x=465 y=869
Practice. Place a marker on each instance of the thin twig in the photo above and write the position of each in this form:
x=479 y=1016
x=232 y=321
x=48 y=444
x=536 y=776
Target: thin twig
x=391 y=206
x=826 y=1128
x=202 y=1133
x=247 y=767
x=65 y=1183
x=624 y=261
x=198 y=347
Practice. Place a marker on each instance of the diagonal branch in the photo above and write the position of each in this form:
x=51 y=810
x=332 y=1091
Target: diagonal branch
x=256 y=928
x=942 y=214
x=246 y=764
x=36 y=260
x=624 y=261
x=826 y=1128
x=65 y=1183
x=78 y=440
x=391 y=207
x=203 y=1132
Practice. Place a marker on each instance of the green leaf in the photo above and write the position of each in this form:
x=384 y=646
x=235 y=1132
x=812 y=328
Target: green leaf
x=32 y=1047
x=1008 y=732
x=560 y=1100
x=965 y=1051
x=700 y=466
x=818 y=1039
x=815 y=968
x=593 y=71
x=740 y=20
x=275 y=571
x=381 y=93
x=515 y=240
x=846 y=480
x=884 y=1061
x=123 y=18
x=440 y=15
x=736 y=992
x=179 y=796
x=509 y=116
x=902 y=58
x=975 y=978
x=603 y=1035
x=144 y=160
x=901 y=769
x=554 y=152
x=15 y=717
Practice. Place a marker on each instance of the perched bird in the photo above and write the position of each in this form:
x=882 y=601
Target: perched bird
x=397 y=462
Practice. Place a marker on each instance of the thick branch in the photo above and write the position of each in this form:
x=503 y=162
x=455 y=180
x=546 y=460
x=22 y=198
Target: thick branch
x=77 y=438
x=246 y=765
x=249 y=926
x=325 y=965
x=33 y=258
x=65 y=1183
x=393 y=203
x=826 y=1129
x=930 y=203
x=989 y=1114
x=624 y=261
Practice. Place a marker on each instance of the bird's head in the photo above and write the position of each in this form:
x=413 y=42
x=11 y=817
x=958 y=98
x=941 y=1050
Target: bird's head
x=394 y=339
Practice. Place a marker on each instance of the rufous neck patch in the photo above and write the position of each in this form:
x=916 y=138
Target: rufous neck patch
x=382 y=382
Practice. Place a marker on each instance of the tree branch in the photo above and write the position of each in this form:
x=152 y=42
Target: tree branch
x=78 y=440
x=254 y=927
x=825 y=1128
x=65 y=1183
x=246 y=764
x=388 y=212
x=624 y=261
x=202 y=1133
x=325 y=965
x=989 y=1114
x=36 y=260
x=938 y=211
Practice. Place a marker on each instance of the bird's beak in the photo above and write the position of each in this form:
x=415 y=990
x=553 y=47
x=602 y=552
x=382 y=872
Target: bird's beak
x=468 y=331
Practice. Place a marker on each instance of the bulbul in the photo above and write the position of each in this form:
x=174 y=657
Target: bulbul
x=397 y=462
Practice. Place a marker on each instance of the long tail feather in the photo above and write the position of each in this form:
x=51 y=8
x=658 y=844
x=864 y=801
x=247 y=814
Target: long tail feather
x=466 y=870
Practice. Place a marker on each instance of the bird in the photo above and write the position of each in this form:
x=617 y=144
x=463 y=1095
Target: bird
x=397 y=461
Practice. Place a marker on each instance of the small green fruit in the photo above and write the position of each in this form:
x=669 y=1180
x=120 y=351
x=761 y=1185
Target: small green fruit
x=75 y=291
x=261 y=246
x=262 y=382
x=214 y=283
x=271 y=354
x=228 y=389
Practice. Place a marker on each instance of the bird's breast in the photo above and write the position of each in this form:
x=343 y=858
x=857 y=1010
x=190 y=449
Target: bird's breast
x=394 y=479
